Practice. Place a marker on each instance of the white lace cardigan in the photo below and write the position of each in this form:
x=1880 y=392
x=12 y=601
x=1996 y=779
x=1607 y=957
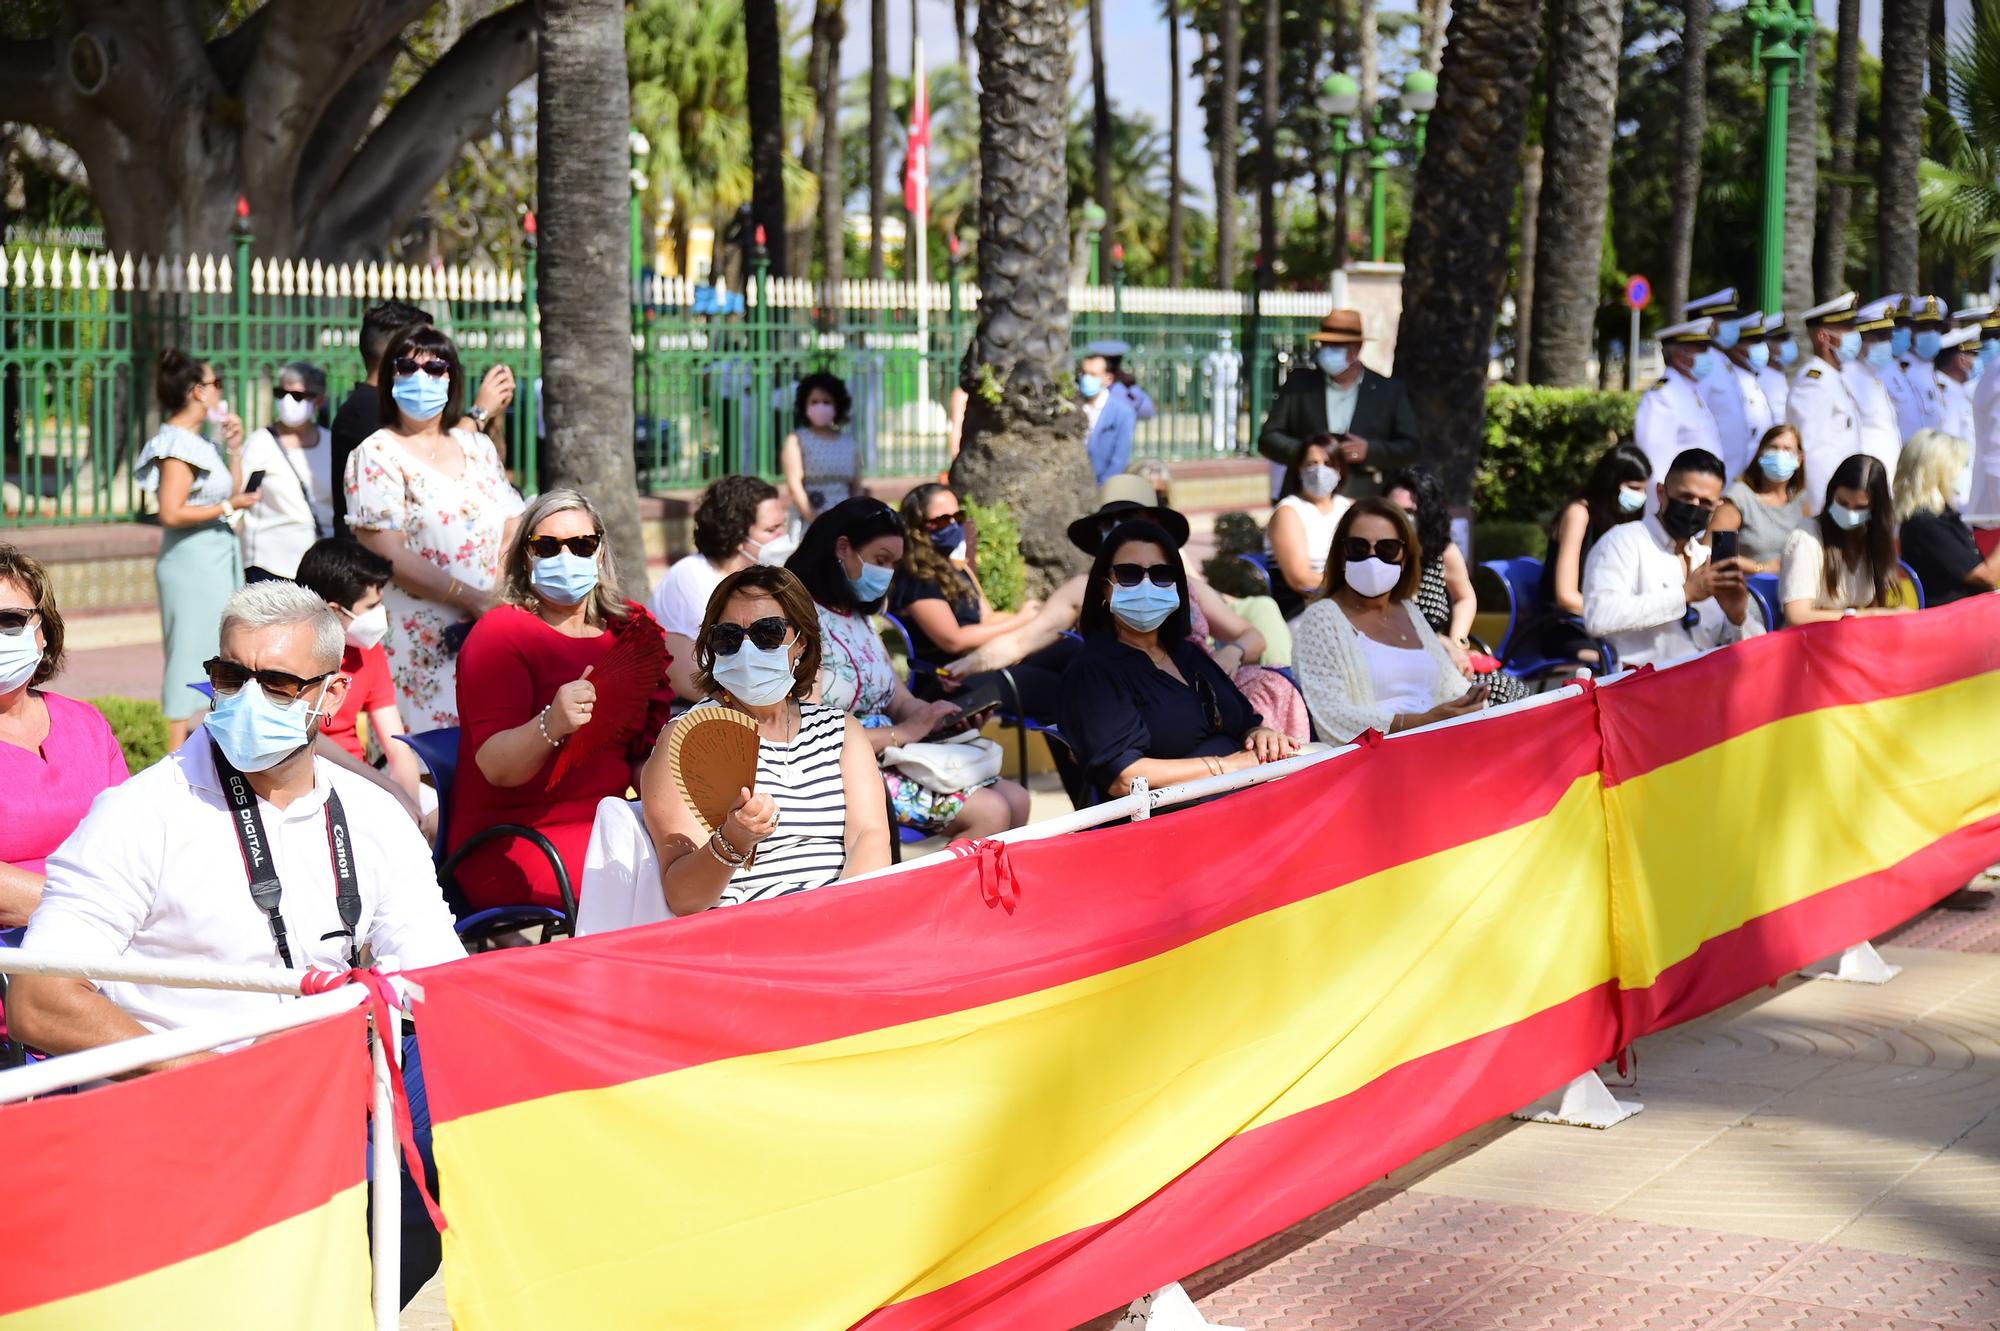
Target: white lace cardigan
x=1334 y=676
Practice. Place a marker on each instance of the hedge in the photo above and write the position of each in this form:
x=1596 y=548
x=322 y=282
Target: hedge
x=141 y=728
x=1539 y=446
x=1003 y=570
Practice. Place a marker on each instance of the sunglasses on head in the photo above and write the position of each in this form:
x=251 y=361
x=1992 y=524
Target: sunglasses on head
x=1389 y=550
x=295 y=394
x=15 y=622
x=436 y=369
x=1131 y=575
x=227 y=678
x=942 y=520
x=767 y=634
x=548 y=547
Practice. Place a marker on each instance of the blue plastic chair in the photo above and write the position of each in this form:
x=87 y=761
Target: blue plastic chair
x=1521 y=578
x=1916 y=583
x=1263 y=566
x=437 y=750
x=1764 y=591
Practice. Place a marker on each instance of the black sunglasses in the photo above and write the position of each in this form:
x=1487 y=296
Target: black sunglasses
x=1131 y=575
x=227 y=678
x=942 y=520
x=1389 y=550
x=14 y=622
x=295 y=394
x=767 y=634
x=548 y=547
x=436 y=369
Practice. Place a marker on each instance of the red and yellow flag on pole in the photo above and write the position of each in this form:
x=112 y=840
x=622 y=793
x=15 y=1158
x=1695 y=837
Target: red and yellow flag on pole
x=1021 y=1088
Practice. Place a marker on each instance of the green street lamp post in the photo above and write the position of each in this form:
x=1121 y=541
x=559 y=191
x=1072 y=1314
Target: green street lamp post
x=1779 y=31
x=1339 y=98
x=1093 y=226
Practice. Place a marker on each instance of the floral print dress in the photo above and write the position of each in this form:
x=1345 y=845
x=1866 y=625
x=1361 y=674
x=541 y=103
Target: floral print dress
x=856 y=675
x=457 y=523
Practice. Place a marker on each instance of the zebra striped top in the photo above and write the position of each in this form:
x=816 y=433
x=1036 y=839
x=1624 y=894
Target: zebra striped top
x=809 y=849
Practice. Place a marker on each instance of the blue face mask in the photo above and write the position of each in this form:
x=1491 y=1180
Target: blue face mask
x=756 y=676
x=947 y=540
x=1899 y=342
x=872 y=584
x=1089 y=385
x=1989 y=351
x=1788 y=353
x=420 y=395
x=1726 y=334
x=256 y=734
x=1703 y=366
x=1145 y=607
x=1333 y=360
x=1778 y=465
x=1759 y=354
x=1850 y=346
x=1879 y=355
x=564 y=578
x=1845 y=518
x=1630 y=500
x=1927 y=344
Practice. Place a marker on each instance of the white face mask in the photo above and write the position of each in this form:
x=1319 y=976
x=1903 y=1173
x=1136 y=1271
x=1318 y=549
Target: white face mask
x=1317 y=480
x=293 y=412
x=368 y=628
x=773 y=552
x=1372 y=577
x=20 y=658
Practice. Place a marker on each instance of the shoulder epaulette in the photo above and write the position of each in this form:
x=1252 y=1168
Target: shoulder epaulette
x=1813 y=373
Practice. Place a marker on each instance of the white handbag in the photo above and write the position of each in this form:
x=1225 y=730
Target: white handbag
x=948 y=766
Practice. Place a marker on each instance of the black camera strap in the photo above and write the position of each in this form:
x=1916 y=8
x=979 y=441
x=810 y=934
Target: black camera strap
x=265 y=889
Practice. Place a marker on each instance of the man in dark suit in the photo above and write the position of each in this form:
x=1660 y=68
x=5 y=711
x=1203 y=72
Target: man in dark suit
x=1369 y=413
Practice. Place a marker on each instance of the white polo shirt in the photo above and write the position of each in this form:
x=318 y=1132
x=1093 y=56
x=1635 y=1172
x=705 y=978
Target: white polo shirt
x=154 y=871
x=1635 y=598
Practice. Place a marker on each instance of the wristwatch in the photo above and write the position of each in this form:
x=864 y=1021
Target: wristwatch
x=480 y=416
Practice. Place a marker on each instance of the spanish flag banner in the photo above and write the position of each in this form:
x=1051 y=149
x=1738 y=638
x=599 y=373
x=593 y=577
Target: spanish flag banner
x=1021 y=1088
x=225 y=1194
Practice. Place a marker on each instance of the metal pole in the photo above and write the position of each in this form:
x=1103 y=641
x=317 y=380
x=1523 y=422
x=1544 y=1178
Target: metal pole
x=1778 y=61
x=385 y=1188
x=1378 y=195
x=1417 y=138
x=177 y=974
x=1632 y=355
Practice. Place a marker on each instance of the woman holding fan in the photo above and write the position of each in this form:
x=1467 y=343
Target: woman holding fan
x=562 y=691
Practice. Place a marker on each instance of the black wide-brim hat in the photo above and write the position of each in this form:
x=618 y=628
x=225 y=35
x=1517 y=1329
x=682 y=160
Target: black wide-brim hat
x=1085 y=533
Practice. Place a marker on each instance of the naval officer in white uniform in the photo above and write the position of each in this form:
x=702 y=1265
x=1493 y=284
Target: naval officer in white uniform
x=1819 y=407
x=1672 y=417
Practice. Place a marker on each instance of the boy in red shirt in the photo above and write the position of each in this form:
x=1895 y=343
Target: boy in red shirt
x=350 y=578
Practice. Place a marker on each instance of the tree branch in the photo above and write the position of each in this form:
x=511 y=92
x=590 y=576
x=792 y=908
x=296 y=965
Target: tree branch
x=28 y=72
x=51 y=155
x=343 y=125
x=411 y=149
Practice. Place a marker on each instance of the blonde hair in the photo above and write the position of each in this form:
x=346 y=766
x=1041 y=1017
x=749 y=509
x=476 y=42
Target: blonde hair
x=517 y=565
x=1927 y=472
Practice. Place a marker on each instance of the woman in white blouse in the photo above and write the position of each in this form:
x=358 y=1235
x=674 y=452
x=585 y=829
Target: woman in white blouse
x=1365 y=657
x=1843 y=562
x=1302 y=526
x=295 y=455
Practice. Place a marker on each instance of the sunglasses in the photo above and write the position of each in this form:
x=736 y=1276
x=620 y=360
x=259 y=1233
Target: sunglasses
x=1389 y=550
x=547 y=547
x=1131 y=575
x=436 y=369
x=227 y=678
x=216 y=382
x=295 y=394
x=767 y=634
x=14 y=623
x=942 y=520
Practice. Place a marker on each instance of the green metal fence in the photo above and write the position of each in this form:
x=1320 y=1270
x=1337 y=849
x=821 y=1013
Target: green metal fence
x=713 y=390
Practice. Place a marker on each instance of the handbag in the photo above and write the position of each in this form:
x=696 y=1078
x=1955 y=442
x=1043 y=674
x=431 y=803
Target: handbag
x=948 y=766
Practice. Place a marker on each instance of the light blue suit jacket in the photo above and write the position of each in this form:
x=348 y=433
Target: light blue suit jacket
x=1110 y=443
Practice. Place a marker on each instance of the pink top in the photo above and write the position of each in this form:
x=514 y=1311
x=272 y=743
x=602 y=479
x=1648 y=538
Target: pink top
x=49 y=792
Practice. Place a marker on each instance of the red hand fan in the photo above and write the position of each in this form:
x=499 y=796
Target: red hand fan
x=626 y=678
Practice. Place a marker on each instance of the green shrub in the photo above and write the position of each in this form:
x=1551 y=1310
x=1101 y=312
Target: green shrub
x=1539 y=447
x=1235 y=534
x=1508 y=540
x=1003 y=572
x=141 y=728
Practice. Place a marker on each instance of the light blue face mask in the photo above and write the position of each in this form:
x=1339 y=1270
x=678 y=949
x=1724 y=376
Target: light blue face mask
x=1927 y=344
x=872 y=584
x=1703 y=366
x=1845 y=518
x=1089 y=385
x=1333 y=360
x=1145 y=607
x=1630 y=500
x=1899 y=342
x=1778 y=464
x=1850 y=347
x=1727 y=333
x=1879 y=355
x=256 y=734
x=1788 y=353
x=1759 y=354
x=756 y=676
x=564 y=578
x=1989 y=351
x=420 y=395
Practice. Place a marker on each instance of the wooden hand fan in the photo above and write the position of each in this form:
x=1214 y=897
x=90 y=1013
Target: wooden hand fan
x=713 y=754
x=626 y=676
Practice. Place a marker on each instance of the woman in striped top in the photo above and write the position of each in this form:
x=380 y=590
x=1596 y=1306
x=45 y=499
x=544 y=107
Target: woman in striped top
x=817 y=813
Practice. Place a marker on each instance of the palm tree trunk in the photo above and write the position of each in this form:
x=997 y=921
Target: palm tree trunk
x=1229 y=41
x=832 y=207
x=1524 y=282
x=764 y=90
x=1024 y=442
x=1176 y=220
x=1267 y=133
x=1100 y=123
x=1802 y=180
x=1430 y=33
x=1693 y=124
x=585 y=233
x=1905 y=34
x=1456 y=255
x=1338 y=158
x=878 y=130
x=1576 y=179
x=1846 y=113
x=963 y=29
x=1944 y=267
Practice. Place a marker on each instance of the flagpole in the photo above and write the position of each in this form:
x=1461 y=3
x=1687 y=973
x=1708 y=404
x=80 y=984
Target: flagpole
x=919 y=235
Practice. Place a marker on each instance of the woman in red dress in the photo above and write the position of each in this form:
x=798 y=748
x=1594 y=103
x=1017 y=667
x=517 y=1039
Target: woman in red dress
x=524 y=691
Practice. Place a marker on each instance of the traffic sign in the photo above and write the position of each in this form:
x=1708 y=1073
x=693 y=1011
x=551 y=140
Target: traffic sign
x=1638 y=292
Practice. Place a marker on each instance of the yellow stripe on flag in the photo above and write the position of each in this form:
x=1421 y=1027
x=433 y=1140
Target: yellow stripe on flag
x=783 y=1190
x=305 y=1273
x=1768 y=818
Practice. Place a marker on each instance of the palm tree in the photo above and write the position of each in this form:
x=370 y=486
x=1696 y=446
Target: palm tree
x=1430 y=34
x=1023 y=435
x=1456 y=256
x=1524 y=281
x=764 y=90
x=1368 y=56
x=1100 y=122
x=1802 y=178
x=687 y=73
x=964 y=32
x=1846 y=112
x=1691 y=123
x=1139 y=169
x=878 y=129
x=1269 y=62
x=829 y=30
x=1576 y=179
x=1958 y=200
x=1222 y=136
x=1176 y=266
x=1905 y=34
x=582 y=119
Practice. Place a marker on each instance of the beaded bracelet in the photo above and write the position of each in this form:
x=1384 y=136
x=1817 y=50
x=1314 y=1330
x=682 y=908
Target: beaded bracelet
x=725 y=854
x=542 y=724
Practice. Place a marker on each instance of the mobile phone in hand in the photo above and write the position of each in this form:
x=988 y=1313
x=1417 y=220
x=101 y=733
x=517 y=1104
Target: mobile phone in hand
x=964 y=721
x=1723 y=544
x=256 y=481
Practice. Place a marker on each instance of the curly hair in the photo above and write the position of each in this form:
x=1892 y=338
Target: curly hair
x=796 y=604
x=1433 y=515
x=727 y=511
x=922 y=559
x=18 y=566
x=833 y=387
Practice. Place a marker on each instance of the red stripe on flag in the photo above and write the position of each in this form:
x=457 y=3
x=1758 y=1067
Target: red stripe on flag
x=111 y=1183
x=838 y=961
